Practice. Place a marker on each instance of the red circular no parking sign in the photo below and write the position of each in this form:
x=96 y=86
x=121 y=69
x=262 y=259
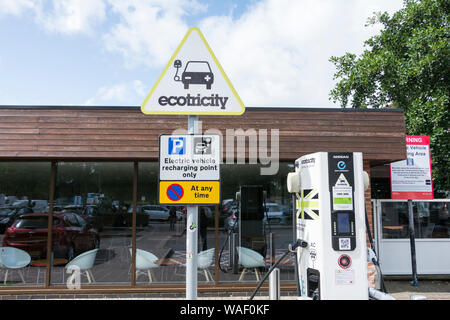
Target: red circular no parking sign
x=175 y=192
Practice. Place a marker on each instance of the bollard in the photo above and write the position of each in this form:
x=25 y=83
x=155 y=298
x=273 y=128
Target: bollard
x=233 y=253
x=274 y=285
x=272 y=248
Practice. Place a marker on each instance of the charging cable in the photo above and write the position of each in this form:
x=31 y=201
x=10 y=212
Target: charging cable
x=291 y=249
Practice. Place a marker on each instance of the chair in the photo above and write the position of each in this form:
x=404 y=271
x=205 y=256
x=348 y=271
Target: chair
x=144 y=262
x=250 y=259
x=205 y=260
x=13 y=258
x=83 y=262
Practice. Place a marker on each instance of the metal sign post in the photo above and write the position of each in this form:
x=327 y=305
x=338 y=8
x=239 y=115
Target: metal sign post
x=191 y=233
x=193 y=83
x=412 y=241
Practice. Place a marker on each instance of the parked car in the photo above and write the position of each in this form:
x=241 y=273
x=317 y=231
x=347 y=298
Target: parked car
x=9 y=215
x=39 y=205
x=274 y=214
x=141 y=216
x=20 y=203
x=158 y=213
x=56 y=208
x=72 y=235
x=78 y=209
x=92 y=215
x=155 y=212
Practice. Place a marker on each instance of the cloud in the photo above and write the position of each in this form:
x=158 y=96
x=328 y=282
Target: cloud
x=15 y=7
x=277 y=52
x=127 y=93
x=60 y=16
x=148 y=31
x=71 y=16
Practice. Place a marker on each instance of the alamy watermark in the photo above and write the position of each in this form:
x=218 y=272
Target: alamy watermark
x=235 y=150
x=74 y=280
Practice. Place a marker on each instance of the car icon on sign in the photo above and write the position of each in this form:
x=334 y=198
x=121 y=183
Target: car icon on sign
x=195 y=72
x=201 y=147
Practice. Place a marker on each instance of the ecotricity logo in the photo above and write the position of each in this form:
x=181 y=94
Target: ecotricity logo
x=306 y=161
x=197 y=73
x=214 y=100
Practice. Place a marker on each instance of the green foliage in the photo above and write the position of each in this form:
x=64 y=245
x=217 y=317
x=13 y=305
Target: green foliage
x=406 y=66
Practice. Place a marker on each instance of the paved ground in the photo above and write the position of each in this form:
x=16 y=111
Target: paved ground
x=432 y=289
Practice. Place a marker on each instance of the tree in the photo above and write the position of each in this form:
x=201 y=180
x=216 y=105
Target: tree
x=406 y=66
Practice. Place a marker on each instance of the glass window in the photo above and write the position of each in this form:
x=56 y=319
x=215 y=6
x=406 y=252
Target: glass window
x=263 y=227
x=24 y=197
x=96 y=236
x=430 y=219
x=395 y=221
x=159 y=237
x=166 y=241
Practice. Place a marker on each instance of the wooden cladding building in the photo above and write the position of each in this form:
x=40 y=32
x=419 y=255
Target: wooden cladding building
x=124 y=133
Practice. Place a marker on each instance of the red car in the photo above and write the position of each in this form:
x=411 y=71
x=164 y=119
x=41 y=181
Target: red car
x=71 y=236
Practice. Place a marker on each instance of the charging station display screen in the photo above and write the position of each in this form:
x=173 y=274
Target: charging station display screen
x=343 y=222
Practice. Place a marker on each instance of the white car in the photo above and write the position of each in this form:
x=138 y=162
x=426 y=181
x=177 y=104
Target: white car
x=274 y=212
x=159 y=213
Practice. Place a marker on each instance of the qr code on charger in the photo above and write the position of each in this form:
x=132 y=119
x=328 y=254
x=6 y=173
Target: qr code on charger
x=344 y=244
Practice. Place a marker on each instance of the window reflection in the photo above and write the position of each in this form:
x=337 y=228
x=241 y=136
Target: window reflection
x=264 y=237
x=431 y=219
x=161 y=234
x=92 y=223
x=24 y=194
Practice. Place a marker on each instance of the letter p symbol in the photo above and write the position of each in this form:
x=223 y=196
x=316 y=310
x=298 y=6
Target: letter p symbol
x=177 y=145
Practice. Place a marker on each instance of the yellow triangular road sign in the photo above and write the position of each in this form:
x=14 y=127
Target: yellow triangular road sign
x=193 y=82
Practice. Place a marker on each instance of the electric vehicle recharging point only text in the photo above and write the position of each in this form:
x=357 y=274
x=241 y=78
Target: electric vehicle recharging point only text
x=330 y=217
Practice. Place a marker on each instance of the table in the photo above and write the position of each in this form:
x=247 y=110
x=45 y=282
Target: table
x=43 y=262
x=393 y=227
x=169 y=262
x=40 y=263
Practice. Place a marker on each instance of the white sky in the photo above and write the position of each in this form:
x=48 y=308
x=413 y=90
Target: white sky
x=110 y=52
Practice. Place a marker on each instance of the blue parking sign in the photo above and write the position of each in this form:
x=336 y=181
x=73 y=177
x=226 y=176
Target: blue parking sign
x=177 y=145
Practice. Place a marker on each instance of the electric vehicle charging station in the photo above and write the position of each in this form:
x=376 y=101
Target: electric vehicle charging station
x=330 y=218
